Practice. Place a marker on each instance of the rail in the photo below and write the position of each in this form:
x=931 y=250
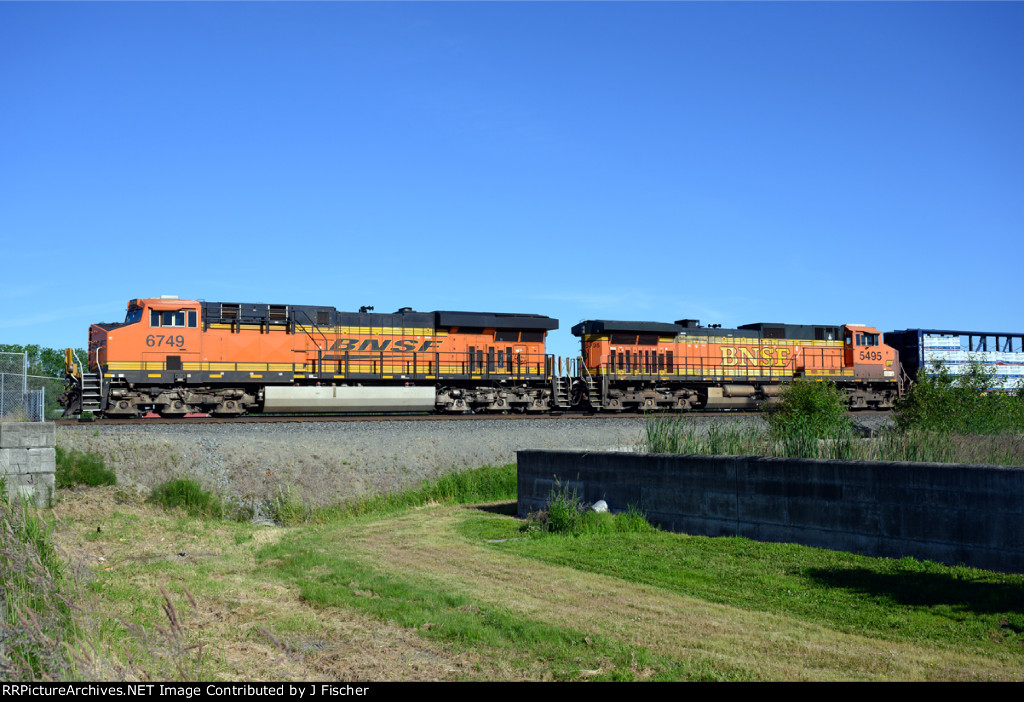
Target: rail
x=815 y=362
x=310 y=324
x=380 y=365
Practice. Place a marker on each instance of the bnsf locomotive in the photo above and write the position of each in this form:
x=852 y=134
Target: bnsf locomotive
x=649 y=365
x=175 y=357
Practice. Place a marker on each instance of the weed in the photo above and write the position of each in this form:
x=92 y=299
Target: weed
x=189 y=495
x=565 y=514
x=170 y=644
x=487 y=484
x=77 y=468
x=809 y=409
x=35 y=610
x=960 y=403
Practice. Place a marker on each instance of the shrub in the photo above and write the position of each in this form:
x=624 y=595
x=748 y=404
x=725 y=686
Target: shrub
x=77 y=468
x=567 y=515
x=188 y=495
x=962 y=403
x=809 y=408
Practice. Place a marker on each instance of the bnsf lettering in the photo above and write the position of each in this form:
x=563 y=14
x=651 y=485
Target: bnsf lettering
x=374 y=345
x=769 y=356
x=402 y=345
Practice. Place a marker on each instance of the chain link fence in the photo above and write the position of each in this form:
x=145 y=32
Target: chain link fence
x=23 y=396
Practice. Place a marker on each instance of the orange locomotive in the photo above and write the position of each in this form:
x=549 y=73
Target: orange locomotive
x=176 y=356
x=652 y=365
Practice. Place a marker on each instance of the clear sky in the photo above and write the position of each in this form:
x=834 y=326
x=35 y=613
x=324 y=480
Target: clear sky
x=731 y=162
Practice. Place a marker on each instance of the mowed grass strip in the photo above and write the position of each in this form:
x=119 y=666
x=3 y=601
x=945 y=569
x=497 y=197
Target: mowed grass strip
x=473 y=623
x=903 y=599
x=434 y=570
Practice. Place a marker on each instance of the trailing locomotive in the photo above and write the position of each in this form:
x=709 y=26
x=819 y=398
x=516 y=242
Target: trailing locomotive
x=652 y=365
x=175 y=356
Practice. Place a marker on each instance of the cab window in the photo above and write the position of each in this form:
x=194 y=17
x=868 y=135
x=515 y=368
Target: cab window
x=170 y=318
x=134 y=315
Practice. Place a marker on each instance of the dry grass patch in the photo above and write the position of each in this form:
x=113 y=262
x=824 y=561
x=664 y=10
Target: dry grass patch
x=250 y=625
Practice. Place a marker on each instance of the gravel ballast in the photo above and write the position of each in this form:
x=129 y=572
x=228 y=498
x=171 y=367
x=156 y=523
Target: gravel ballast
x=327 y=462
x=323 y=463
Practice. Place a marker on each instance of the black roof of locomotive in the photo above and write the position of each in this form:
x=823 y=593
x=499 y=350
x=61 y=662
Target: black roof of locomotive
x=599 y=326
x=496 y=320
x=687 y=328
x=248 y=312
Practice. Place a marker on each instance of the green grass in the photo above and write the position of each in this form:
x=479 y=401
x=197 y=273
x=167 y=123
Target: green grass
x=944 y=418
x=342 y=580
x=366 y=557
x=36 y=608
x=345 y=581
x=77 y=468
x=684 y=435
x=900 y=599
x=903 y=600
x=946 y=403
x=189 y=495
x=486 y=484
x=566 y=515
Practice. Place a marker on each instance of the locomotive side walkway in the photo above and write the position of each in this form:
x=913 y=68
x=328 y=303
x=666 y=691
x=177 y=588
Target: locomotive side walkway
x=953 y=514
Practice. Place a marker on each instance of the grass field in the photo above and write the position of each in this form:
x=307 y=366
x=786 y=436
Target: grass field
x=423 y=587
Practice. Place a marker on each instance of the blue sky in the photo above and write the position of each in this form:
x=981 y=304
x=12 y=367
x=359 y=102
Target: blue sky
x=732 y=162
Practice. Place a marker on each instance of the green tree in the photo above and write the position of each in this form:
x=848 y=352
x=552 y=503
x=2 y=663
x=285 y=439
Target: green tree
x=42 y=360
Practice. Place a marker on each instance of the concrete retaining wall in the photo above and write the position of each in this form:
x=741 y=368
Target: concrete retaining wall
x=28 y=460
x=948 y=513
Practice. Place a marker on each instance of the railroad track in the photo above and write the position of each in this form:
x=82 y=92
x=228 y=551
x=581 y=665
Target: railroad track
x=254 y=419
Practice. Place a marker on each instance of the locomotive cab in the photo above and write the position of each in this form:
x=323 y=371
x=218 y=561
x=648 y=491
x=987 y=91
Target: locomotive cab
x=169 y=335
x=867 y=355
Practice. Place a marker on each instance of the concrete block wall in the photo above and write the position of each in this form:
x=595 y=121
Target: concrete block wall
x=28 y=460
x=948 y=513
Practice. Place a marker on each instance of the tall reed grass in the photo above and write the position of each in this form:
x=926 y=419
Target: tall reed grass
x=944 y=419
x=685 y=435
x=35 y=610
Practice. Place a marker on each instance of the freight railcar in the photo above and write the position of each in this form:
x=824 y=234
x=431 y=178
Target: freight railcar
x=654 y=365
x=174 y=356
x=1001 y=353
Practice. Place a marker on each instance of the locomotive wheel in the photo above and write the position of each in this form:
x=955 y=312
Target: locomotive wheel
x=177 y=408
